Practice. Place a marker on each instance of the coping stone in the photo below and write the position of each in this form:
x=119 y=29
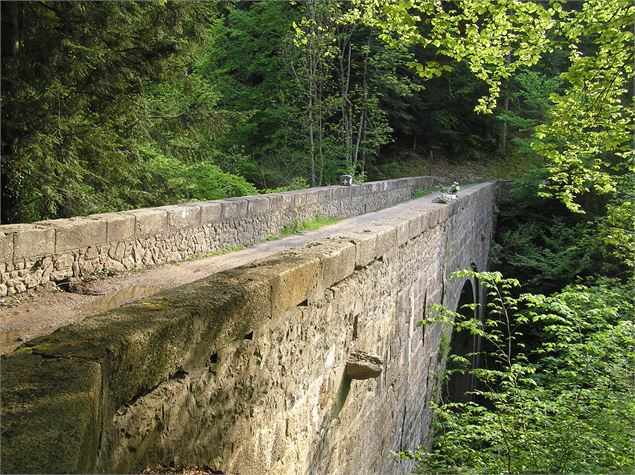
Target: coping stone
x=31 y=240
x=386 y=238
x=6 y=245
x=78 y=233
x=294 y=277
x=257 y=205
x=365 y=243
x=50 y=414
x=211 y=212
x=234 y=208
x=150 y=221
x=183 y=216
x=119 y=226
x=337 y=260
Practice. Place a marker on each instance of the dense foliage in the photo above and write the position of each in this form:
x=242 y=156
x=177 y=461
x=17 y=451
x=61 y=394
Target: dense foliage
x=99 y=100
x=562 y=404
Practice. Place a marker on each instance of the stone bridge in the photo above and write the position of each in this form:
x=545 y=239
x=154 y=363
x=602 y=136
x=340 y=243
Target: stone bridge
x=255 y=369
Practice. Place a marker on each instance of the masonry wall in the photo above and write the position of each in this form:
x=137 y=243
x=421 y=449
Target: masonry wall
x=55 y=250
x=245 y=371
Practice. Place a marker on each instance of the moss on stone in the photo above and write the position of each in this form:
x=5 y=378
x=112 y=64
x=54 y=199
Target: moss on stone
x=50 y=414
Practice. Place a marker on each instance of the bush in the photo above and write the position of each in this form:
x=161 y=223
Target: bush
x=562 y=405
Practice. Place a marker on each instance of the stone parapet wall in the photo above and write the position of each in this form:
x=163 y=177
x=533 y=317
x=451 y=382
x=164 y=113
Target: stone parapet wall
x=52 y=251
x=244 y=371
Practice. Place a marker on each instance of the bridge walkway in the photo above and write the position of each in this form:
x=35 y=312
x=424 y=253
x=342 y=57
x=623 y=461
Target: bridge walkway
x=30 y=316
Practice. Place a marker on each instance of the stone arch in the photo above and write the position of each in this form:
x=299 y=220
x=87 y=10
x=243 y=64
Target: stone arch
x=463 y=344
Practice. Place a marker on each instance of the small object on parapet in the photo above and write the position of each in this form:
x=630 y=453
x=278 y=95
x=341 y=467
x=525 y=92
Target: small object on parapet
x=346 y=180
x=447 y=194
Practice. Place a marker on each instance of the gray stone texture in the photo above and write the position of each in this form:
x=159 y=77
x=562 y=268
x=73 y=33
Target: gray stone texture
x=78 y=233
x=245 y=371
x=150 y=222
x=33 y=241
x=146 y=237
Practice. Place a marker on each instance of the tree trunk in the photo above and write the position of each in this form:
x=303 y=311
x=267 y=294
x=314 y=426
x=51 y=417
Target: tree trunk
x=502 y=138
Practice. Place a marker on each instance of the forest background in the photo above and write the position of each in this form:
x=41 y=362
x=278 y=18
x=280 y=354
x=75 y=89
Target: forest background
x=118 y=105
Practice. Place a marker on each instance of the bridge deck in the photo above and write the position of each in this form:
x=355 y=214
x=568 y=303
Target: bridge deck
x=40 y=314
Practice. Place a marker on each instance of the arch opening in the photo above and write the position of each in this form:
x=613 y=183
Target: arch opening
x=463 y=344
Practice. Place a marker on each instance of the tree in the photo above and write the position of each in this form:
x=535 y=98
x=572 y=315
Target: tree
x=563 y=404
x=587 y=142
x=88 y=88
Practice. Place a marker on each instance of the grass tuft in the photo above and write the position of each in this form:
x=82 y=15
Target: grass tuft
x=298 y=227
x=218 y=252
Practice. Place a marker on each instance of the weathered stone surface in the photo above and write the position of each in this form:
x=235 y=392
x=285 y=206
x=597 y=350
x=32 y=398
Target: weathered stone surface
x=293 y=279
x=337 y=261
x=284 y=388
x=183 y=216
x=234 y=208
x=386 y=238
x=6 y=244
x=156 y=236
x=402 y=232
x=365 y=247
x=276 y=202
x=50 y=414
x=210 y=212
x=149 y=222
x=361 y=365
x=119 y=226
x=78 y=233
x=31 y=240
x=258 y=205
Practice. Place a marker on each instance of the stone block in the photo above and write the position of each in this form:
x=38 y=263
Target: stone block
x=50 y=414
x=342 y=193
x=149 y=221
x=234 y=208
x=365 y=243
x=211 y=212
x=415 y=222
x=337 y=261
x=299 y=199
x=361 y=365
x=401 y=226
x=386 y=238
x=374 y=186
x=119 y=226
x=312 y=196
x=287 y=200
x=293 y=277
x=183 y=216
x=78 y=233
x=323 y=197
x=276 y=202
x=358 y=190
x=391 y=184
x=258 y=205
x=6 y=244
x=32 y=240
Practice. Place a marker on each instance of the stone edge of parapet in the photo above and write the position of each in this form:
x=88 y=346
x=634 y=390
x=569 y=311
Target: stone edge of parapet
x=48 y=237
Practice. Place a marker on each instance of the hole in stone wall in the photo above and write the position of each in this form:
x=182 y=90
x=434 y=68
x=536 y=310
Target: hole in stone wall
x=180 y=374
x=213 y=358
x=249 y=336
x=304 y=303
